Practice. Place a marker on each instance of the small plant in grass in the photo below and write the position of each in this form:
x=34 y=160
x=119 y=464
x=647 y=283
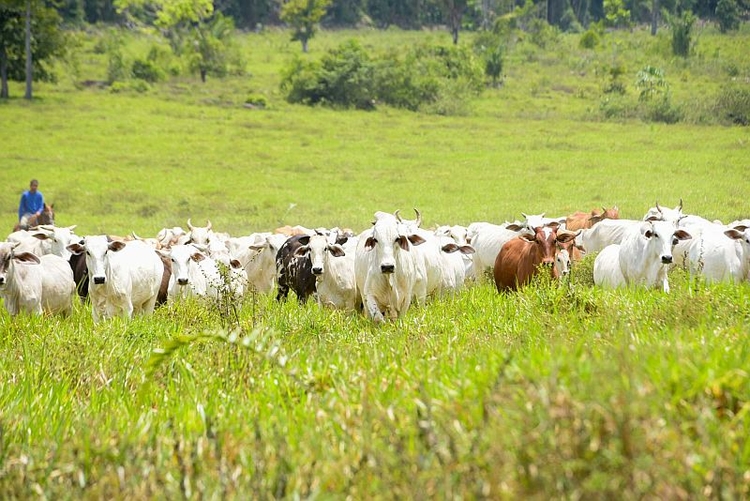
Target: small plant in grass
x=256 y=101
x=733 y=104
x=682 y=33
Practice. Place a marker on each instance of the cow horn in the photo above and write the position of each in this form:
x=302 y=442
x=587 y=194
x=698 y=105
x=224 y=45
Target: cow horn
x=208 y=226
x=190 y=225
x=418 y=222
x=680 y=207
x=657 y=206
x=398 y=217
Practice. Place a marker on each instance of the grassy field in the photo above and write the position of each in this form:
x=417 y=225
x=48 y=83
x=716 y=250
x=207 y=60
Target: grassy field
x=558 y=391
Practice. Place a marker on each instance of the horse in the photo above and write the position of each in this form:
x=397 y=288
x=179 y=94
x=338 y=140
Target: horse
x=47 y=216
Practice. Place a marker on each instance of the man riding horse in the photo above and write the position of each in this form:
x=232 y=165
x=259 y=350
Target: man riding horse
x=32 y=210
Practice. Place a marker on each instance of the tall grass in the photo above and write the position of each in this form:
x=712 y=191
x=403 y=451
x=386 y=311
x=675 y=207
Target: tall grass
x=557 y=391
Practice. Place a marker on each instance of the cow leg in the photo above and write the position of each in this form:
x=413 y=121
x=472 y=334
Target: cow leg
x=372 y=309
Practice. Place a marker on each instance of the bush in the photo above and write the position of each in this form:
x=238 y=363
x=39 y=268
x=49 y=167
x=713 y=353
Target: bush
x=661 y=110
x=617 y=107
x=733 y=104
x=348 y=77
x=590 y=39
x=146 y=70
x=682 y=28
x=343 y=78
x=256 y=101
x=728 y=15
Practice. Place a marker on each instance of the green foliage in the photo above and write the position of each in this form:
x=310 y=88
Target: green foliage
x=146 y=70
x=728 y=15
x=256 y=101
x=682 y=28
x=615 y=14
x=733 y=104
x=349 y=77
x=651 y=83
x=590 y=38
x=343 y=77
x=303 y=16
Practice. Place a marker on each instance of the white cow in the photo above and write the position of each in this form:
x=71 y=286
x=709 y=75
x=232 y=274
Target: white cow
x=167 y=237
x=20 y=280
x=124 y=278
x=332 y=263
x=487 y=239
x=58 y=286
x=642 y=259
x=199 y=234
x=455 y=262
x=46 y=239
x=193 y=273
x=459 y=234
x=604 y=233
x=562 y=262
x=257 y=255
x=34 y=284
x=719 y=254
x=385 y=268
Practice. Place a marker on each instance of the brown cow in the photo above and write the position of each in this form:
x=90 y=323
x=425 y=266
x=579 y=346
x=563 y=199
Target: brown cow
x=519 y=260
x=582 y=220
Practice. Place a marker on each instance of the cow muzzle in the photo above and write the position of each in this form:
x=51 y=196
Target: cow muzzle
x=317 y=271
x=387 y=268
x=100 y=280
x=2 y=280
x=666 y=259
x=182 y=281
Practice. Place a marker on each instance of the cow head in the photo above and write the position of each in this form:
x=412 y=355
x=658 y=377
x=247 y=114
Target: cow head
x=389 y=237
x=97 y=249
x=660 y=213
x=316 y=248
x=661 y=238
x=200 y=234
x=181 y=256
x=8 y=256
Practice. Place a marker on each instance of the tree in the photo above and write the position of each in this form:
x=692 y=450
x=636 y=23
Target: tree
x=728 y=15
x=303 y=16
x=30 y=37
x=192 y=28
x=454 y=10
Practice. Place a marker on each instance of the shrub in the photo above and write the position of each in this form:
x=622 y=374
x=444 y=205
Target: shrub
x=146 y=70
x=728 y=15
x=590 y=39
x=256 y=101
x=343 y=77
x=733 y=104
x=661 y=110
x=682 y=28
x=348 y=77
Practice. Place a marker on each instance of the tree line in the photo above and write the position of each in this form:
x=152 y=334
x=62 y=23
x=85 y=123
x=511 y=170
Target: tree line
x=32 y=34
x=406 y=14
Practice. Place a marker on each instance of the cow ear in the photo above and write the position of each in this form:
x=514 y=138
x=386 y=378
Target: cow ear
x=734 y=234
x=76 y=248
x=467 y=249
x=653 y=218
x=197 y=256
x=566 y=236
x=554 y=224
x=513 y=227
x=528 y=237
x=336 y=250
x=116 y=245
x=27 y=257
x=235 y=263
x=648 y=234
x=403 y=242
x=370 y=243
x=595 y=219
x=682 y=235
x=449 y=248
x=301 y=251
x=304 y=239
x=341 y=240
x=416 y=239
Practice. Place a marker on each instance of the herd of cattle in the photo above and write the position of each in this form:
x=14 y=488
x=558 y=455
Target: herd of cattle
x=380 y=271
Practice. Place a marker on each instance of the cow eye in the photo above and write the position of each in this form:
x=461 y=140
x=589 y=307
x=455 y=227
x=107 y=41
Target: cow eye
x=675 y=241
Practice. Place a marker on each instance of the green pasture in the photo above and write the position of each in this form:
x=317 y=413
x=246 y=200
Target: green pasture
x=557 y=391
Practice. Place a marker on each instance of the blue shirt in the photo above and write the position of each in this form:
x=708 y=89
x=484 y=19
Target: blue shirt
x=31 y=203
